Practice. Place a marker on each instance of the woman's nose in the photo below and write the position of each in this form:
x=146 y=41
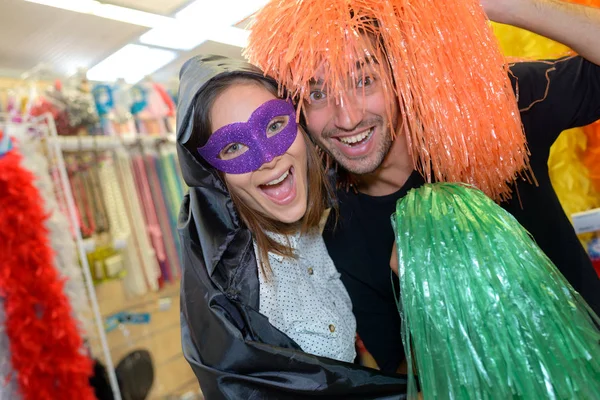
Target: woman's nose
x=270 y=164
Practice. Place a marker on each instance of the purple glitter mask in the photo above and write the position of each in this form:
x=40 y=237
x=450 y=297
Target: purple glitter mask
x=253 y=134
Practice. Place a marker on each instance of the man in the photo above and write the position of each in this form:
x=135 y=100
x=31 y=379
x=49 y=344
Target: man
x=552 y=97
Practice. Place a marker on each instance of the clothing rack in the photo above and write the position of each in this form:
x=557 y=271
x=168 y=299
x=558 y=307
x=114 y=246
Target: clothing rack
x=145 y=164
x=120 y=185
x=77 y=143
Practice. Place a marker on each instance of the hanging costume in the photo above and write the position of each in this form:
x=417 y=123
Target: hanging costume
x=233 y=349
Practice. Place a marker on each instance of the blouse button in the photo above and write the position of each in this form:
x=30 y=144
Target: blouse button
x=331 y=328
x=310 y=271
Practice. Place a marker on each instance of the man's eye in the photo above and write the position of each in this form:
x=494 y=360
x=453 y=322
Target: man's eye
x=317 y=95
x=366 y=81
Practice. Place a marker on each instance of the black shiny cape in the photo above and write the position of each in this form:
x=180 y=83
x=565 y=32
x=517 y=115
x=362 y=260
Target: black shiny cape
x=234 y=351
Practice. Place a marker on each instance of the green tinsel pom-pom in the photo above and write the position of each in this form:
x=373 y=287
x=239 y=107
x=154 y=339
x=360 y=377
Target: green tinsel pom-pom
x=486 y=315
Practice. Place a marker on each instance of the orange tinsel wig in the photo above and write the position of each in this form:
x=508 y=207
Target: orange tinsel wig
x=458 y=111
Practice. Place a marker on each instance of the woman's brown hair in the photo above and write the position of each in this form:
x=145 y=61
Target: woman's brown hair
x=319 y=190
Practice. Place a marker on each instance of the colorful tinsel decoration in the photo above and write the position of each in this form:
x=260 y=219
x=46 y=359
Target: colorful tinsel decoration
x=46 y=348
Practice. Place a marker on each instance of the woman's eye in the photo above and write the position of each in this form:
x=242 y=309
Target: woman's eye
x=233 y=148
x=317 y=95
x=276 y=125
x=232 y=151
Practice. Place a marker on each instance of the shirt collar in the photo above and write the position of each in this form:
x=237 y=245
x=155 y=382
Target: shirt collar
x=286 y=240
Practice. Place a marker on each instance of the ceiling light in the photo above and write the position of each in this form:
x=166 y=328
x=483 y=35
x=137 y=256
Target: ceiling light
x=224 y=12
x=131 y=16
x=132 y=63
x=108 y=11
x=176 y=36
x=201 y=21
x=231 y=36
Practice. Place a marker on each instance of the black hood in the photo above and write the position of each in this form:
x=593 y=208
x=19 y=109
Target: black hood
x=194 y=75
x=233 y=349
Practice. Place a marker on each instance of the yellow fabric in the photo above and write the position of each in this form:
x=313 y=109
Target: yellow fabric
x=568 y=174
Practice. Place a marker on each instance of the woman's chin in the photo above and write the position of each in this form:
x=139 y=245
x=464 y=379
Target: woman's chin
x=291 y=214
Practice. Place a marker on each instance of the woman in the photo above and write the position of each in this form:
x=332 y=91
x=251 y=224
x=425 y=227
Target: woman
x=264 y=314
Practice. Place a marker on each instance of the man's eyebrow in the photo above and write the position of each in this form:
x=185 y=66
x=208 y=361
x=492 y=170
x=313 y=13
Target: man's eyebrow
x=316 y=82
x=368 y=60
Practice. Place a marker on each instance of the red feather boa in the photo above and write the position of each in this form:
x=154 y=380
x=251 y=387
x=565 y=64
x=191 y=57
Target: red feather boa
x=46 y=346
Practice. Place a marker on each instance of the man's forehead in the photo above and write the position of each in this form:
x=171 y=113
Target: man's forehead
x=319 y=78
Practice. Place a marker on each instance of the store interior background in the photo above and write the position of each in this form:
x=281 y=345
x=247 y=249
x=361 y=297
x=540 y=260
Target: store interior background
x=144 y=42
x=123 y=177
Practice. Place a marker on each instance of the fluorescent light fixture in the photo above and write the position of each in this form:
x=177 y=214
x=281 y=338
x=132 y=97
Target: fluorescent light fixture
x=223 y=12
x=178 y=36
x=131 y=16
x=132 y=63
x=203 y=20
x=231 y=36
x=108 y=11
x=193 y=10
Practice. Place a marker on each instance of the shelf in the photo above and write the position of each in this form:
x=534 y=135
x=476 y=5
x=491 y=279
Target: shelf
x=75 y=143
x=161 y=336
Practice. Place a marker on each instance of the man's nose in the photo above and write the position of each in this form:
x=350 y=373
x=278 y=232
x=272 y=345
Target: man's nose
x=349 y=112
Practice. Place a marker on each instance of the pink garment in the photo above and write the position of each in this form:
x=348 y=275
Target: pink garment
x=149 y=209
x=156 y=107
x=163 y=217
x=166 y=99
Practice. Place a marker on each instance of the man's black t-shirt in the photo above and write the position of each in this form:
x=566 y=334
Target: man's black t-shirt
x=361 y=243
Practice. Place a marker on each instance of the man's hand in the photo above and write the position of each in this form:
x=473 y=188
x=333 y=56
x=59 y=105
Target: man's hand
x=394 y=260
x=502 y=10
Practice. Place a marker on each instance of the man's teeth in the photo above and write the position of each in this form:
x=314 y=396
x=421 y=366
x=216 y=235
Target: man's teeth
x=278 y=180
x=356 y=138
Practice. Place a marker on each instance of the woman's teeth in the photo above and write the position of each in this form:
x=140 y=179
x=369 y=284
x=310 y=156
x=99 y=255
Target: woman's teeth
x=282 y=190
x=356 y=138
x=278 y=180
